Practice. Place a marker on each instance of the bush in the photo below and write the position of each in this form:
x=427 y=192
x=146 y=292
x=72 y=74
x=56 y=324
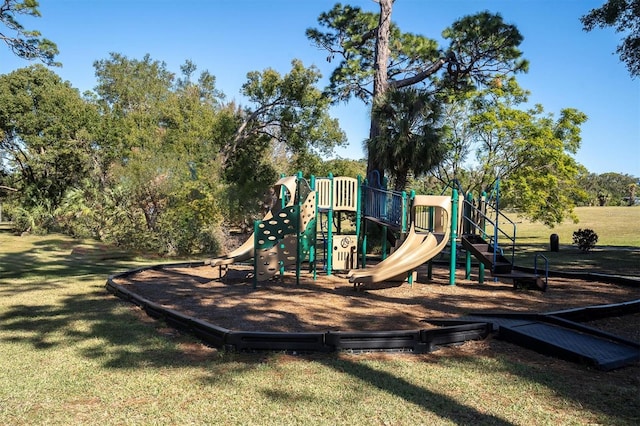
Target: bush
x=585 y=239
x=36 y=219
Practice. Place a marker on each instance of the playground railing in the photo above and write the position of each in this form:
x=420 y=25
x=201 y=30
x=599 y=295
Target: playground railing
x=324 y=193
x=338 y=193
x=388 y=207
x=487 y=224
x=546 y=267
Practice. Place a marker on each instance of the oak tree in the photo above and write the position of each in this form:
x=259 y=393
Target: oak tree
x=158 y=149
x=286 y=114
x=46 y=135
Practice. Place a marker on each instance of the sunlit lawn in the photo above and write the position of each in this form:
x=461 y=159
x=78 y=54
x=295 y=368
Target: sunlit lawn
x=70 y=353
x=617 y=250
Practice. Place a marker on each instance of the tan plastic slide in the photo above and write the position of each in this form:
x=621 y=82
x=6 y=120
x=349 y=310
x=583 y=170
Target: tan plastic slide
x=240 y=254
x=417 y=249
x=246 y=250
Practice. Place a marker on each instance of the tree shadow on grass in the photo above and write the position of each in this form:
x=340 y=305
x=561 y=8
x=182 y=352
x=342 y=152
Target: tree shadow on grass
x=103 y=328
x=612 y=393
x=117 y=338
x=54 y=257
x=421 y=397
x=100 y=327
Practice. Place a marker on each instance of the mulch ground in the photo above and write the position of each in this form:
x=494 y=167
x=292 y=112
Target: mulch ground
x=331 y=303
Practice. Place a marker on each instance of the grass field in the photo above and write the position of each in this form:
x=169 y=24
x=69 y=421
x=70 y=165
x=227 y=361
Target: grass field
x=617 y=250
x=70 y=353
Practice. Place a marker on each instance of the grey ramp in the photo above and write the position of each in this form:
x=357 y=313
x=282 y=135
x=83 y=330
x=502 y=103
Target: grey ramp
x=570 y=344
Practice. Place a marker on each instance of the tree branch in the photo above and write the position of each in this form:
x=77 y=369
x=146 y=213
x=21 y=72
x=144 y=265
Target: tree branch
x=421 y=76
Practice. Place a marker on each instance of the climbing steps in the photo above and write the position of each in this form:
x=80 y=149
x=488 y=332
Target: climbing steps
x=484 y=252
x=499 y=265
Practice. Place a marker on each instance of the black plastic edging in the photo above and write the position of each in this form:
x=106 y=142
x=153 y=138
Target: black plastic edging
x=598 y=311
x=456 y=333
x=246 y=340
x=589 y=276
x=424 y=340
x=178 y=320
x=209 y=333
x=414 y=340
x=375 y=340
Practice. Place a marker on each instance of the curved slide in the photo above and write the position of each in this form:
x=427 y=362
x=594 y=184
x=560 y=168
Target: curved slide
x=246 y=250
x=417 y=248
x=240 y=254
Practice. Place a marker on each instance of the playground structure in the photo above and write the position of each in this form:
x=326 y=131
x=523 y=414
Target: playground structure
x=338 y=195
x=476 y=225
x=283 y=237
x=288 y=235
x=286 y=188
x=425 y=225
x=423 y=241
x=482 y=235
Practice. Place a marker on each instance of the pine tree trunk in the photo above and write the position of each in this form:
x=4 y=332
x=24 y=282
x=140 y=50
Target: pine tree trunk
x=381 y=78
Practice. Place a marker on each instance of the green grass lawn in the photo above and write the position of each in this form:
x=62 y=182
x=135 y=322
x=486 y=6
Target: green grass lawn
x=70 y=353
x=617 y=250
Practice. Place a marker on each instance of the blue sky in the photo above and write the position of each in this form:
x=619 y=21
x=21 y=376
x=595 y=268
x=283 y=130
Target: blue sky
x=568 y=67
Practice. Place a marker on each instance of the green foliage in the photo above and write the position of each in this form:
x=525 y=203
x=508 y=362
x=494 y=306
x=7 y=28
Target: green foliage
x=157 y=157
x=350 y=36
x=37 y=219
x=288 y=109
x=612 y=189
x=191 y=222
x=46 y=131
x=543 y=184
x=287 y=125
x=481 y=48
x=26 y=44
x=174 y=214
x=624 y=16
x=585 y=239
x=150 y=161
x=104 y=214
x=248 y=177
x=130 y=95
x=428 y=185
x=344 y=167
x=409 y=140
x=529 y=151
